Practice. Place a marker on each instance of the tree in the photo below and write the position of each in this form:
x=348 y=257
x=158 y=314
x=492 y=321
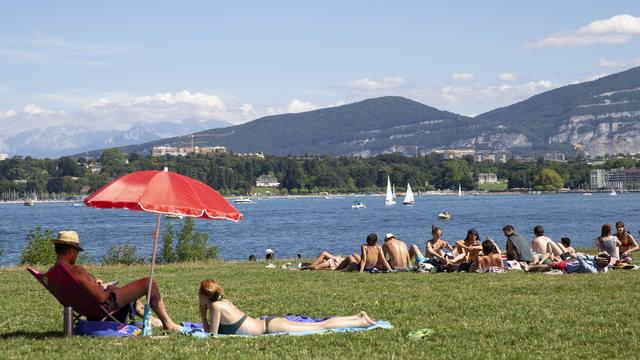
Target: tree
x=548 y=179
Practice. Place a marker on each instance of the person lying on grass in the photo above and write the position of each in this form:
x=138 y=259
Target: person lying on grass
x=327 y=261
x=67 y=247
x=579 y=263
x=226 y=318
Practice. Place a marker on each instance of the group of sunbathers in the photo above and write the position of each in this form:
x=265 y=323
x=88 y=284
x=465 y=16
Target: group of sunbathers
x=219 y=316
x=473 y=255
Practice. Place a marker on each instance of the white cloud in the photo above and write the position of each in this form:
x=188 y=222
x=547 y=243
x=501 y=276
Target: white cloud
x=507 y=77
x=384 y=83
x=296 y=106
x=44 y=49
x=618 y=29
x=122 y=111
x=595 y=76
x=462 y=76
x=602 y=62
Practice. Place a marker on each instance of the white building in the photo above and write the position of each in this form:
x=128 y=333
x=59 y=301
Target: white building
x=4 y=157
x=267 y=181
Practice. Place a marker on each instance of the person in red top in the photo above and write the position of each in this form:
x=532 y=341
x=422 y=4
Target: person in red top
x=67 y=247
x=627 y=243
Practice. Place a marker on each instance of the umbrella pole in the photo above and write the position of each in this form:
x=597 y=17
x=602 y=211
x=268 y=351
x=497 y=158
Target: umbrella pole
x=147 y=310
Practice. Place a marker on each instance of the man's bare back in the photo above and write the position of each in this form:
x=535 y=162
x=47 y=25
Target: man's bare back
x=397 y=252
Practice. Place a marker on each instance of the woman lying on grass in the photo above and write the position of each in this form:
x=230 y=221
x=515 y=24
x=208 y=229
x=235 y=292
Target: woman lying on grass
x=225 y=318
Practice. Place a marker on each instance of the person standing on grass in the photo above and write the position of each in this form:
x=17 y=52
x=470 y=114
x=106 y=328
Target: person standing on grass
x=67 y=247
x=221 y=316
x=517 y=246
x=397 y=253
x=628 y=243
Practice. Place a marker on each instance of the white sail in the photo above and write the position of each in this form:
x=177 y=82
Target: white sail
x=389 y=198
x=459 y=190
x=408 y=196
x=393 y=191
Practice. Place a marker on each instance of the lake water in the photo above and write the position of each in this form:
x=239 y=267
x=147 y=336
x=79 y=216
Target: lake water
x=311 y=225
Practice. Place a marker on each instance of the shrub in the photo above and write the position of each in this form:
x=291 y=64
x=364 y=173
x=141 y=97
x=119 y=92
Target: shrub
x=194 y=246
x=39 y=249
x=167 y=254
x=122 y=254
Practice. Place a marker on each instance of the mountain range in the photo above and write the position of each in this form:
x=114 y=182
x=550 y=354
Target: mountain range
x=598 y=117
x=56 y=141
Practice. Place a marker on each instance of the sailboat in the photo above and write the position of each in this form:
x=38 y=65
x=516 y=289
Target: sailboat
x=459 y=190
x=408 y=196
x=389 y=198
x=393 y=190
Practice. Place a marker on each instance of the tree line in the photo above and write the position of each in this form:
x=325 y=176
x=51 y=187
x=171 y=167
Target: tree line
x=232 y=174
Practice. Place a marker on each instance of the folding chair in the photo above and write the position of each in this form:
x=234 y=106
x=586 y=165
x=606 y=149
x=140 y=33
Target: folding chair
x=65 y=287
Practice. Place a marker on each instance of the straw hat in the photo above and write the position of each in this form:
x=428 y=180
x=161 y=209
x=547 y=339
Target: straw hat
x=68 y=237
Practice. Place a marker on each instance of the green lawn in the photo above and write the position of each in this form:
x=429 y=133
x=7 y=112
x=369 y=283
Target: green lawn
x=513 y=315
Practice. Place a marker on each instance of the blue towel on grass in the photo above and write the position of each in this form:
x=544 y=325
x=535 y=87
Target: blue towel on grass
x=106 y=328
x=196 y=329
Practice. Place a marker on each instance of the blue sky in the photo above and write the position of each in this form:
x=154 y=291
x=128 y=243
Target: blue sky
x=110 y=64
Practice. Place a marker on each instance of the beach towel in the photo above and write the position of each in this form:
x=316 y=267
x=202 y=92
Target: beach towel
x=197 y=330
x=106 y=328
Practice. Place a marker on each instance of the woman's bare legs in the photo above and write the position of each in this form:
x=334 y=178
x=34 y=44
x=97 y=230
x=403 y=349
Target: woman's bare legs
x=137 y=289
x=279 y=325
x=321 y=258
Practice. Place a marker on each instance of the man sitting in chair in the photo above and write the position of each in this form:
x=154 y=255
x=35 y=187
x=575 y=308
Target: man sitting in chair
x=67 y=247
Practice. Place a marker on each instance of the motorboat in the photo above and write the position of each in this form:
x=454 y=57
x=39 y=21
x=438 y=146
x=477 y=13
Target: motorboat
x=408 y=196
x=587 y=194
x=174 y=216
x=613 y=193
x=358 y=205
x=243 y=200
x=444 y=215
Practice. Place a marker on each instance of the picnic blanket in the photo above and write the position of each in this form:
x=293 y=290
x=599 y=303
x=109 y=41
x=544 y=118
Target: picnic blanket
x=197 y=330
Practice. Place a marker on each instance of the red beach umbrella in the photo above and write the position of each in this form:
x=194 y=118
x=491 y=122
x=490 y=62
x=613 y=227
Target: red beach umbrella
x=162 y=192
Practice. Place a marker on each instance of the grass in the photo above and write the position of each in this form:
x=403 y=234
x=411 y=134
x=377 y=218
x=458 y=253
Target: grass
x=512 y=315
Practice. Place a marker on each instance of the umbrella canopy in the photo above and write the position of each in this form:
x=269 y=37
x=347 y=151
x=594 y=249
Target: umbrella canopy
x=163 y=192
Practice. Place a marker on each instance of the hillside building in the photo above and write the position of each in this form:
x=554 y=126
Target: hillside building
x=623 y=179
x=267 y=181
x=257 y=154
x=554 y=157
x=495 y=156
x=597 y=179
x=183 y=151
x=487 y=178
x=4 y=157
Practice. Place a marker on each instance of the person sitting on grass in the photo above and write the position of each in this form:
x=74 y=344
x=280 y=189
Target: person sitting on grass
x=466 y=251
x=220 y=316
x=67 y=247
x=541 y=244
x=566 y=251
x=628 y=243
x=397 y=253
x=608 y=243
x=437 y=250
x=517 y=246
x=491 y=258
x=372 y=256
